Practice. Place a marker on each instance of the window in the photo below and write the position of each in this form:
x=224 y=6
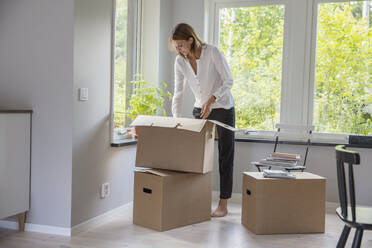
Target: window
x=252 y=40
x=343 y=72
x=124 y=51
x=298 y=61
x=120 y=58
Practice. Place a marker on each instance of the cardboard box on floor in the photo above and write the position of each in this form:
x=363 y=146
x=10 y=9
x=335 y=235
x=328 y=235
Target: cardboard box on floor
x=167 y=199
x=273 y=206
x=179 y=144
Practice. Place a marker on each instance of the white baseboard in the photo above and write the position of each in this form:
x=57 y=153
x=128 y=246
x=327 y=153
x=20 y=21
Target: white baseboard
x=235 y=198
x=84 y=226
x=29 y=227
x=332 y=205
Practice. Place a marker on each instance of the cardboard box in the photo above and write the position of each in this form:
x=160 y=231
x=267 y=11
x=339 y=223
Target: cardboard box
x=179 y=144
x=167 y=199
x=272 y=206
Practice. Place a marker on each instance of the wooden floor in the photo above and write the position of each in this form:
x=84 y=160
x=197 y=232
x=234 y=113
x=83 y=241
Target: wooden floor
x=224 y=232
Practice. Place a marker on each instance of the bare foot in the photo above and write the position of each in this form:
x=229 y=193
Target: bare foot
x=221 y=210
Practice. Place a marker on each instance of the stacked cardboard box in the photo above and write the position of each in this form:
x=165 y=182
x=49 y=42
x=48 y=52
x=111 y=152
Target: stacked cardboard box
x=166 y=199
x=177 y=190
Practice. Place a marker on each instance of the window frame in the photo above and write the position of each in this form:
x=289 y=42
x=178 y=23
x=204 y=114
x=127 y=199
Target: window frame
x=213 y=37
x=133 y=57
x=298 y=64
x=314 y=28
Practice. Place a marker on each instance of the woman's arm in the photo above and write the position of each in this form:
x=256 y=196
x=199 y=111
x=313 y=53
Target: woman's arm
x=178 y=89
x=224 y=70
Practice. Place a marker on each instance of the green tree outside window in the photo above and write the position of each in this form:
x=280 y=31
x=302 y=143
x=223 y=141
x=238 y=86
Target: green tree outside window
x=252 y=40
x=343 y=78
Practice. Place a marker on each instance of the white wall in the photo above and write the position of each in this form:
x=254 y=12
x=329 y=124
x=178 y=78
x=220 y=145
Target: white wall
x=36 y=42
x=93 y=160
x=44 y=58
x=191 y=12
x=165 y=75
x=150 y=40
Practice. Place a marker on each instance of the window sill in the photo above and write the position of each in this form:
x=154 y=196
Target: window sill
x=360 y=142
x=354 y=141
x=286 y=142
x=123 y=142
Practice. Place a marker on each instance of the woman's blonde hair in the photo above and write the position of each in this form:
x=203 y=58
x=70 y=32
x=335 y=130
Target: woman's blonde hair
x=183 y=31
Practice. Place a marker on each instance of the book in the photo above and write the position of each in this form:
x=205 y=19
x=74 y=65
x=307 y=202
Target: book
x=281 y=159
x=286 y=155
x=278 y=174
x=278 y=163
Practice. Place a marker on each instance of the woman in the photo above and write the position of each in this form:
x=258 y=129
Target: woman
x=205 y=69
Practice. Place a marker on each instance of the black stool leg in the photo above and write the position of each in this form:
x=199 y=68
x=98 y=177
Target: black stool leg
x=258 y=168
x=343 y=238
x=357 y=238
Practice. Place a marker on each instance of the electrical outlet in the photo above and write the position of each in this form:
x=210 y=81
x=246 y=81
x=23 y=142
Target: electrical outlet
x=83 y=94
x=105 y=190
x=102 y=191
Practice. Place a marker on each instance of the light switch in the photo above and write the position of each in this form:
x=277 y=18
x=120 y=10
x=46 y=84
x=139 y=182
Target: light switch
x=83 y=94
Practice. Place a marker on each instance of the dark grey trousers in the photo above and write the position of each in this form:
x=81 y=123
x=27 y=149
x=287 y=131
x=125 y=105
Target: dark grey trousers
x=226 y=145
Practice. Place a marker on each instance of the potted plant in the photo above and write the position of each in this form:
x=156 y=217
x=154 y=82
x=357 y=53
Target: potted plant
x=147 y=98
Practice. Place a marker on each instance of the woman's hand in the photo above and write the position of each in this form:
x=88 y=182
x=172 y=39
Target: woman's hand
x=206 y=108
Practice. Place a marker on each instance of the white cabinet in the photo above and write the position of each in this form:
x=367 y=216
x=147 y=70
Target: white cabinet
x=15 y=152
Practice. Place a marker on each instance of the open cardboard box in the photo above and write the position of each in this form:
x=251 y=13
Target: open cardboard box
x=180 y=144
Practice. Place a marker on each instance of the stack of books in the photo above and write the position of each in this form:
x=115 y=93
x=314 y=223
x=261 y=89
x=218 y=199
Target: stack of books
x=281 y=159
x=278 y=174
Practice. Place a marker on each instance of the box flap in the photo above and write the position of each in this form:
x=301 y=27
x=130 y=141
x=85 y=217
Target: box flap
x=195 y=125
x=226 y=126
x=161 y=173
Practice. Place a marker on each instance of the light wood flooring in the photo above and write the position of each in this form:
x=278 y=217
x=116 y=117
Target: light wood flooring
x=223 y=232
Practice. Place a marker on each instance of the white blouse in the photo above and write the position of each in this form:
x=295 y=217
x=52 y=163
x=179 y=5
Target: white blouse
x=213 y=77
